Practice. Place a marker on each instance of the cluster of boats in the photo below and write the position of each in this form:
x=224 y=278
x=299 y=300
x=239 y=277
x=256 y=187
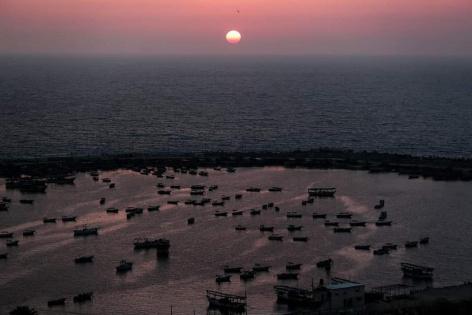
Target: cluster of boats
x=386 y=248
x=79 y=298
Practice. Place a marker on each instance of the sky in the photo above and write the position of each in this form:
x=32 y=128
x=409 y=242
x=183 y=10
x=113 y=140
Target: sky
x=432 y=27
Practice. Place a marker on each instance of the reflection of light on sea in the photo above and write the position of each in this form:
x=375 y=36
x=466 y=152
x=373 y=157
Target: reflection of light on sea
x=259 y=243
x=352 y=205
x=360 y=259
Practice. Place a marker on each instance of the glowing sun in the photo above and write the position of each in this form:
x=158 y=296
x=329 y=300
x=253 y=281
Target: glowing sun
x=233 y=37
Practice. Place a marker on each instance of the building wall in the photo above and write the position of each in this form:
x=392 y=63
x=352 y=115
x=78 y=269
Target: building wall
x=347 y=298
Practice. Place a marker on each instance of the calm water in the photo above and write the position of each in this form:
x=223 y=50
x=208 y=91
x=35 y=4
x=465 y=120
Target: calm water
x=42 y=267
x=98 y=105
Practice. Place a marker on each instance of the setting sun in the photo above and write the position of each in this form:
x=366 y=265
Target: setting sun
x=233 y=37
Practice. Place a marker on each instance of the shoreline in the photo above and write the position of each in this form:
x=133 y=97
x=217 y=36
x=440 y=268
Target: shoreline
x=436 y=168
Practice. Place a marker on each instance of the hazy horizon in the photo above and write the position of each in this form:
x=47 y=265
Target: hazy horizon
x=301 y=27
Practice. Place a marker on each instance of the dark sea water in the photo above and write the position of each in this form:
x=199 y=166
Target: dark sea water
x=41 y=268
x=60 y=106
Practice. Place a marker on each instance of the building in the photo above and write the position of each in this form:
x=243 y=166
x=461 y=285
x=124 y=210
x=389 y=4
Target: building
x=345 y=295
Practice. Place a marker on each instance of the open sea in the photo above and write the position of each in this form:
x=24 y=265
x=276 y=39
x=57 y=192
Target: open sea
x=62 y=106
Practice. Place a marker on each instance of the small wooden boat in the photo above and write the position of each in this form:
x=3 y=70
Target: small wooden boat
x=57 y=302
x=111 y=186
x=247 y=275
x=331 y=223
x=344 y=215
x=357 y=223
x=160 y=185
x=317 y=215
x=27 y=201
x=85 y=231
x=293 y=266
x=237 y=212
x=411 y=244
x=12 y=243
x=240 y=228
x=3 y=255
x=275 y=189
x=83 y=297
x=292 y=228
x=253 y=189
x=134 y=210
x=103 y=200
x=300 y=239
x=238 y=196
x=381 y=251
x=106 y=180
x=383 y=223
x=190 y=221
x=424 y=240
x=342 y=230
x=232 y=269
x=49 y=220
x=5 y=234
x=260 y=268
x=175 y=187
x=69 y=218
x=362 y=247
x=112 y=210
x=275 y=237
x=287 y=276
x=380 y=205
x=264 y=228
x=255 y=212
x=293 y=214
x=124 y=266
x=390 y=246
x=225 y=197
x=221 y=214
x=153 y=208
x=164 y=192
x=213 y=187
x=28 y=232
x=84 y=259
x=322 y=192
x=222 y=278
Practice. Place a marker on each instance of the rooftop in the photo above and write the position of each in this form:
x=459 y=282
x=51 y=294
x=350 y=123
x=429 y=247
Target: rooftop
x=338 y=283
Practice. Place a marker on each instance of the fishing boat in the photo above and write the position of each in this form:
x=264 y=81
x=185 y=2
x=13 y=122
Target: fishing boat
x=28 y=232
x=321 y=192
x=12 y=243
x=173 y=202
x=362 y=247
x=197 y=187
x=247 y=275
x=237 y=212
x=83 y=297
x=222 y=278
x=424 y=240
x=145 y=243
x=225 y=197
x=112 y=185
x=292 y=228
x=275 y=237
x=383 y=216
x=264 y=228
x=331 y=223
x=240 y=228
x=57 y=302
x=102 y=200
x=317 y=215
x=112 y=210
x=221 y=214
x=217 y=203
x=416 y=271
x=3 y=255
x=6 y=234
x=342 y=230
x=381 y=251
x=357 y=223
x=383 y=223
x=134 y=210
x=153 y=208
x=255 y=212
x=124 y=266
x=175 y=187
x=253 y=189
x=69 y=218
x=106 y=180
x=293 y=266
x=164 y=192
x=344 y=215
x=260 y=268
x=238 y=196
x=232 y=269
x=411 y=244
x=85 y=231
x=213 y=187
x=27 y=201
x=84 y=259
x=390 y=246
x=191 y=221
x=293 y=214
x=300 y=238
x=49 y=220
x=287 y=276
x=275 y=189
x=226 y=302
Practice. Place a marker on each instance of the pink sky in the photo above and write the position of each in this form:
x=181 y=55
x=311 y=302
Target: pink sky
x=199 y=26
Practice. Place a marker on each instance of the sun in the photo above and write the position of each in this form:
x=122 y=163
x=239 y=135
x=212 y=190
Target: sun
x=233 y=37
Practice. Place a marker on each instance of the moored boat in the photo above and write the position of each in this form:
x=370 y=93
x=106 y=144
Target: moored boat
x=86 y=231
x=83 y=297
x=275 y=237
x=49 y=220
x=417 y=271
x=321 y=192
x=222 y=278
x=226 y=302
x=57 y=302
x=28 y=232
x=84 y=259
x=287 y=276
x=124 y=266
x=260 y=268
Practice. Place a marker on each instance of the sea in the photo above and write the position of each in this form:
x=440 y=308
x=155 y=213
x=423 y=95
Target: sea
x=53 y=106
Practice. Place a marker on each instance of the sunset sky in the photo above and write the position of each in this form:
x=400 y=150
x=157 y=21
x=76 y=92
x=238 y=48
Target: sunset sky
x=267 y=27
